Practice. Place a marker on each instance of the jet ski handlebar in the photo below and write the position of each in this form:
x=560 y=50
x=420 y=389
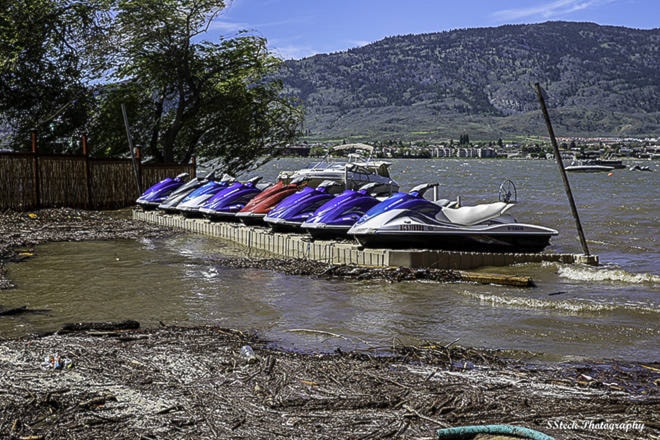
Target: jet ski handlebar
x=508 y=192
x=421 y=189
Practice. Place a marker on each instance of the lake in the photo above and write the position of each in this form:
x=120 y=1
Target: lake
x=609 y=311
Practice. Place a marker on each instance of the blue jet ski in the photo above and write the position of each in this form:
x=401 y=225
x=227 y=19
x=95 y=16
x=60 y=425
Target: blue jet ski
x=190 y=204
x=332 y=219
x=486 y=227
x=169 y=204
x=293 y=210
x=225 y=204
x=413 y=199
x=158 y=192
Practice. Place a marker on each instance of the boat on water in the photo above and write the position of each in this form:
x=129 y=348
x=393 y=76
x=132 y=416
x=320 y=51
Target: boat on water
x=353 y=173
x=640 y=168
x=586 y=167
x=429 y=225
x=614 y=163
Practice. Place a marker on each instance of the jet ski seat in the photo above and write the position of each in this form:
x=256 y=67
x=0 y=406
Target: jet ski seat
x=472 y=215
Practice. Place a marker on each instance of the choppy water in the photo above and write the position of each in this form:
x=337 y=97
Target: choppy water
x=610 y=311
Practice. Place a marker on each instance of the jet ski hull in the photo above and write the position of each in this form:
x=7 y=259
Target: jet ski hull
x=334 y=218
x=403 y=229
x=323 y=231
x=255 y=210
x=226 y=203
x=190 y=205
x=457 y=241
x=292 y=211
x=157 y=193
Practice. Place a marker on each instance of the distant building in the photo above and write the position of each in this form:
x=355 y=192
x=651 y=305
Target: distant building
x=486 y=152
x=297 y=150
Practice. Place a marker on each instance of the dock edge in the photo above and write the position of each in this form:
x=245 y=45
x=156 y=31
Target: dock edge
x=344 y=252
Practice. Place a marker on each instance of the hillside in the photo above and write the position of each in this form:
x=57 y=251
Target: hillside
x=600 y=80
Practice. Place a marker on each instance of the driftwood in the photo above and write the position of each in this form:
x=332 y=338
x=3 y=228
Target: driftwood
x=195 y=383
x=20 y=310
x=99 y=326
x=13 y=311
x=492 y=278
x=297 y=266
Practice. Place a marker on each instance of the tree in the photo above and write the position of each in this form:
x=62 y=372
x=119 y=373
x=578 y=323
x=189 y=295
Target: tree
x=45 y=48
x=187 y=96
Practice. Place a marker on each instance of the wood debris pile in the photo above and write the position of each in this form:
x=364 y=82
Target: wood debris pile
x=175 y=383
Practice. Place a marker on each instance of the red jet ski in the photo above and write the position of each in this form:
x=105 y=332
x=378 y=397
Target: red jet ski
x=256 y=209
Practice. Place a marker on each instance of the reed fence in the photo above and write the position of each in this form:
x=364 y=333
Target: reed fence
x=33 y=180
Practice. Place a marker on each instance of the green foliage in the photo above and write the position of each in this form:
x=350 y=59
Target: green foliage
x=601 y=80
x=188 y=97
x=45 y=58
x=68 y=66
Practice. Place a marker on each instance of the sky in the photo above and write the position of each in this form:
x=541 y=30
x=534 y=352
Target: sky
x=301 y=28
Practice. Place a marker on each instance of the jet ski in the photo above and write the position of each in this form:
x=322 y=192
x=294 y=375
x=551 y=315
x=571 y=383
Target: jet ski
x=413 y=199
x=332 y=219
x=256 y=209
x=293 y=210
x=190 y=204
x=225 y=204
x=177 y=195
x=485 y=227
x=158 y=192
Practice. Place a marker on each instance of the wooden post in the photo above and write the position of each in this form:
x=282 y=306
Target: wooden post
x=35 y=171
x=88 y=172
x=562 y=171
x=138 y=160
x=130 y=148
x=193 y=163
x=84 y=145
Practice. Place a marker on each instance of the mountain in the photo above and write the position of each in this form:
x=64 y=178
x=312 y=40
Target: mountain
x=599 y=80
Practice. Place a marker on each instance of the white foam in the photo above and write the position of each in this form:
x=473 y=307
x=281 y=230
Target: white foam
x=585 y=273
x=570 y=306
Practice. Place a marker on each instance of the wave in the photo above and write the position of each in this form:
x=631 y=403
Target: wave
x=582 y=273
x=575 y=307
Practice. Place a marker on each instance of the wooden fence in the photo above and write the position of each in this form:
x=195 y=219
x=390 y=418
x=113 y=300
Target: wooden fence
x=34 y=180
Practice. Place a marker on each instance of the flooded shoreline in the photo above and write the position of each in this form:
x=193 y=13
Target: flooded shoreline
x=158 y=276
x=173 y=382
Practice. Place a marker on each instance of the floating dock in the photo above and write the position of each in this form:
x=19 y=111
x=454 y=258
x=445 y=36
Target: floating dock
x=289 y=245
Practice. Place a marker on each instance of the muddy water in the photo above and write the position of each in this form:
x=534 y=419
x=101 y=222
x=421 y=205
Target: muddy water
x=172 y=281
x=612 y=311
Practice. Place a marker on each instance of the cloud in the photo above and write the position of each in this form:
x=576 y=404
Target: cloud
x=226 y=27
x=358 y=43
x=548 y=10
x=292 y=52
